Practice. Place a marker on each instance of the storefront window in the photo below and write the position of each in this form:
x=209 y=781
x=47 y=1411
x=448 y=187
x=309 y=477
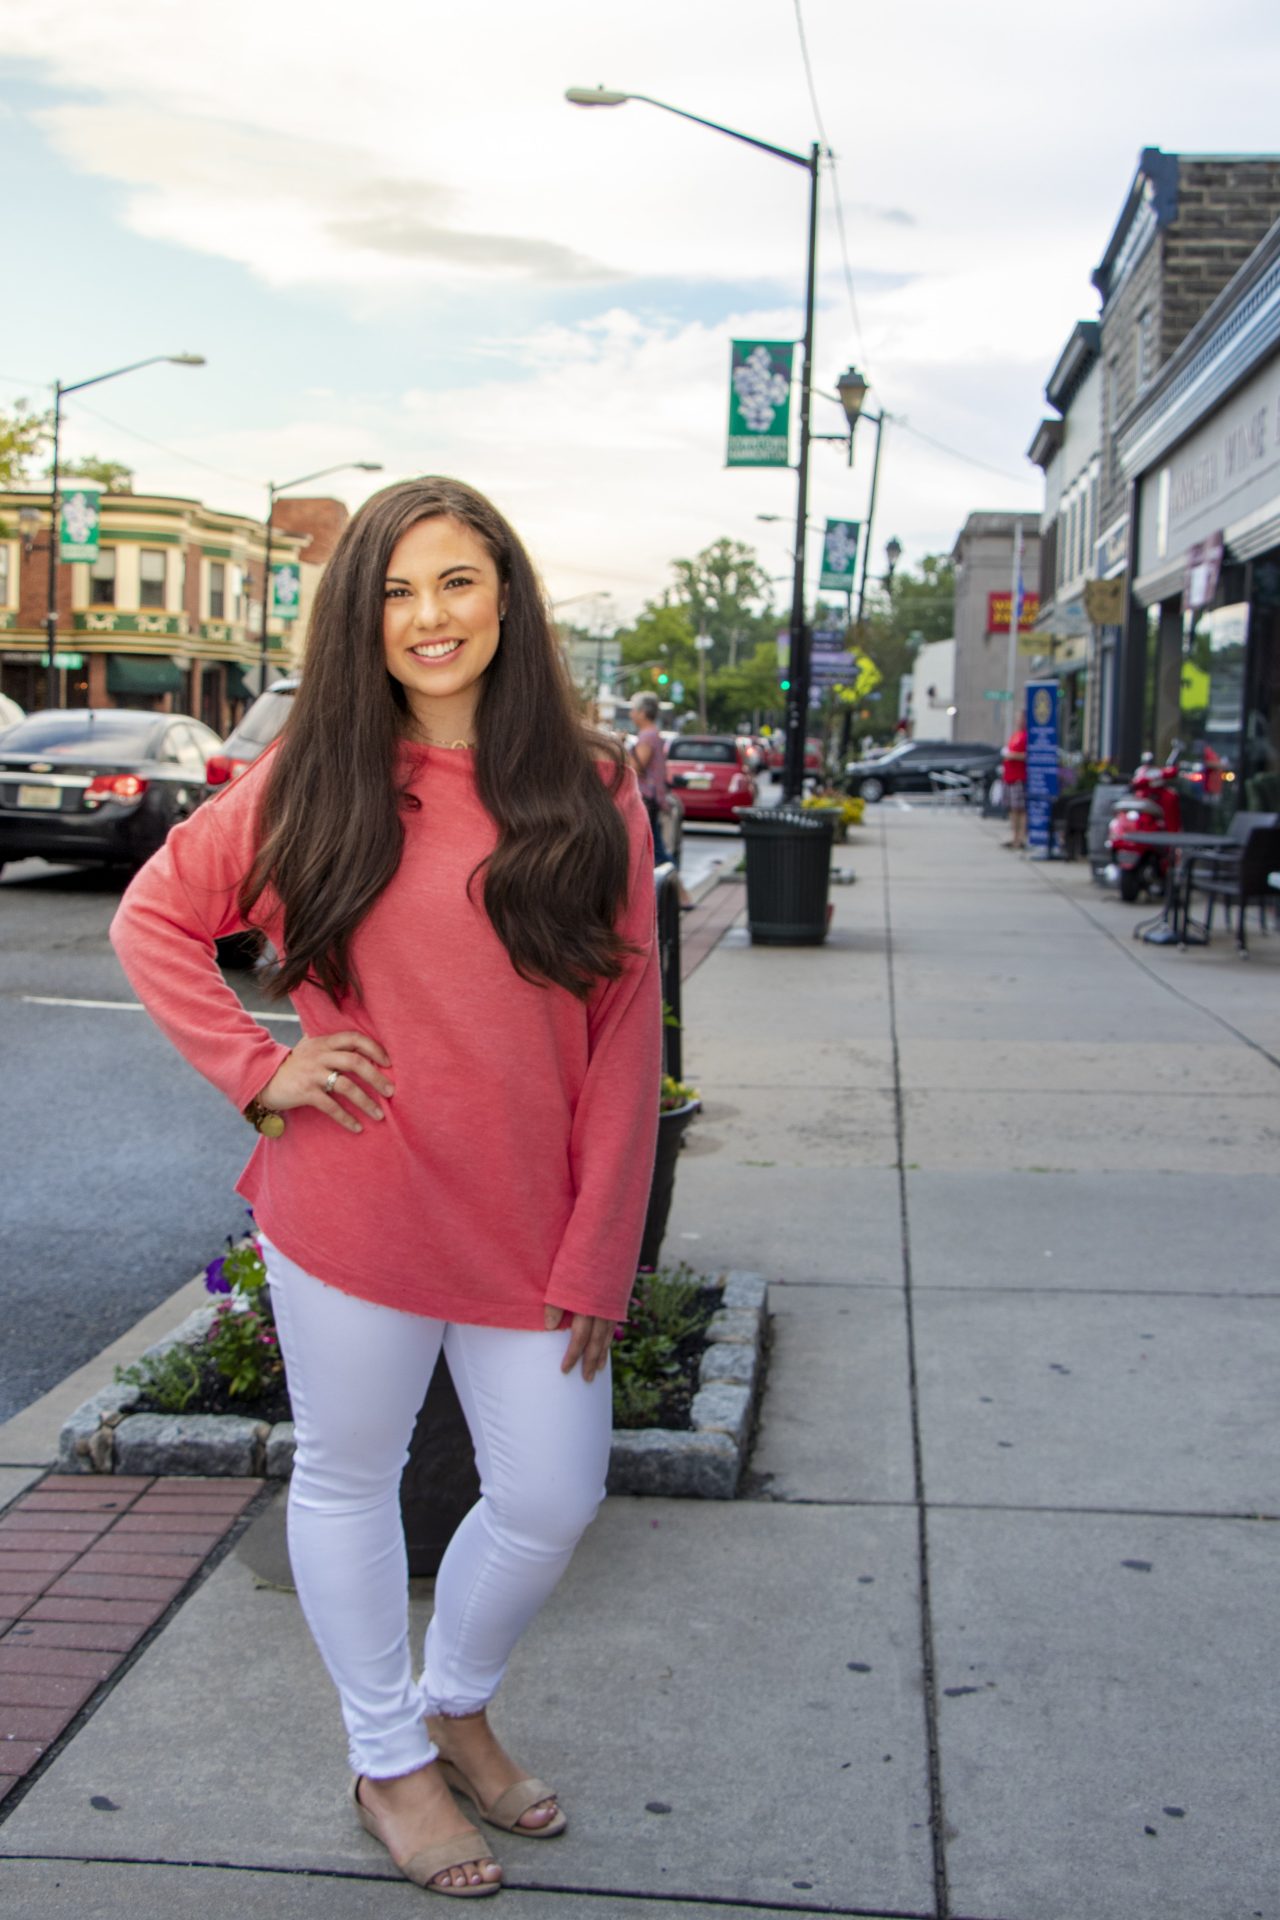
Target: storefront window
x=1211 y=700
x=1260 y=768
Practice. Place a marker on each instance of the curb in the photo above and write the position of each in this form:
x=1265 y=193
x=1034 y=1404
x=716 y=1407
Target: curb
x=104 y=1435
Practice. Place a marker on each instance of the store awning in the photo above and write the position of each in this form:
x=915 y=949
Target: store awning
x=237 y=686
x=146 y=673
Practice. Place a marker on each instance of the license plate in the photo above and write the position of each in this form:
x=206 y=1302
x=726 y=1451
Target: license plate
x=697 y=779
x=47 y=797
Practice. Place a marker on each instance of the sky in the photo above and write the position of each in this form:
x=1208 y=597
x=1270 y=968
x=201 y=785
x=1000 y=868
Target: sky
x=394 y=240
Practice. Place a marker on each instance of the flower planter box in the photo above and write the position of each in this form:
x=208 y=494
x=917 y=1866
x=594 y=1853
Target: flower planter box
x=672 y=1127
x=105 y=1435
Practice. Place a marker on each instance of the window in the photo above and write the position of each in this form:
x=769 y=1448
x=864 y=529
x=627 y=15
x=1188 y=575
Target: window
x=151 y=578
x=102 y=579
x=4 y=573
x=217 y=590
x=1142 y=368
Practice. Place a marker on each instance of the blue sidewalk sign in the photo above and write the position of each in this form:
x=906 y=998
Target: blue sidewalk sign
x=1042 y=762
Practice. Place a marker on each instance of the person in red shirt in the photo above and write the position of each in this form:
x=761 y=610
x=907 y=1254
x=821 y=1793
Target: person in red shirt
x=1013 y=773
x=456 y=1153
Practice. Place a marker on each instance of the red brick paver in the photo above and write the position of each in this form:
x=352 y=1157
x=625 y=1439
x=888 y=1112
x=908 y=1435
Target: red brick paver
x=86 y=1569
x=702 y=930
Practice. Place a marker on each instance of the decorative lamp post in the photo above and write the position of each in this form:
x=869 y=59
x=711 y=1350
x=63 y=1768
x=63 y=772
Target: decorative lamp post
x=78 y=386
x=273 y=494
x=798 y=655
x=892 y=554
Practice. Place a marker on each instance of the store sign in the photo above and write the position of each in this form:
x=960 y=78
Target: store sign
x=1042 y=761
x=829 y=659
x=1223 y=473
x=1204 y=567
x=1104 y=602
x=78 y=533
x=759 y=403
x=839 y=556
x=1000 y=612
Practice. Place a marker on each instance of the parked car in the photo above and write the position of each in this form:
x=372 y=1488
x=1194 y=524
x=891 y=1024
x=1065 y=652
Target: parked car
x=907 y=767
x=102 y=785
x=706 y=771
x=260 y=726
x=10 y=713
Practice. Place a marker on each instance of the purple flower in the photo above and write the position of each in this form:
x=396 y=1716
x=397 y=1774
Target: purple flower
x=215 y=1279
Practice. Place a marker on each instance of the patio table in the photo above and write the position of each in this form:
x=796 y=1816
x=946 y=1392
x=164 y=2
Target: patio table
x=1171 y=926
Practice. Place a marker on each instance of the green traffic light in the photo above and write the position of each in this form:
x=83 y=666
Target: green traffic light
x=663 y=678
x=785 y=685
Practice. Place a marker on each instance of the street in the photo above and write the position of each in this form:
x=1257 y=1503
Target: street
x=120 y=1161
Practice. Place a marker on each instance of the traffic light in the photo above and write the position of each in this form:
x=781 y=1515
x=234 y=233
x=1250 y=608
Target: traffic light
x=663 y=678
x=785 y=685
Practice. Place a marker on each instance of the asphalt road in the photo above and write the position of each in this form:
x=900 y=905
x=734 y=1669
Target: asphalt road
x=119 y=1161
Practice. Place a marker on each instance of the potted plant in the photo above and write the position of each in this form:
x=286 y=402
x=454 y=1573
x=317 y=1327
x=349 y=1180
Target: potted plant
x=678 y=1104
x=845 y=809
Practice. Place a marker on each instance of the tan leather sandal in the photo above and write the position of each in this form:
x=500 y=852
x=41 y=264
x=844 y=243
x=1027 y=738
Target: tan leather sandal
x=423 y=1866
x=506 y=1810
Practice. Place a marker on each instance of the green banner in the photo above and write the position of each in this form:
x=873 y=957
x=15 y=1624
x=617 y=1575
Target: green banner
x=286 y=591
x=840 y=555
x=78 y=535
x=759 y=403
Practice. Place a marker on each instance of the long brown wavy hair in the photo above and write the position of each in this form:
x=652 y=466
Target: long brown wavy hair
x=332 y=823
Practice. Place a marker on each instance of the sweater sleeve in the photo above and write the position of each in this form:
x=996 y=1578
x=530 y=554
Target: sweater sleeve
x=175 y=908
x=615 y=1124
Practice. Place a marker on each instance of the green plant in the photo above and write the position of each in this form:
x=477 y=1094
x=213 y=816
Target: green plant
x=666 y=1310
x=170 y=1380
x=245 y=1351
x=675 y=1093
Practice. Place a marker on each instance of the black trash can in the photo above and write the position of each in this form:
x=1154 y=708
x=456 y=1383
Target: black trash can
x=788 y=874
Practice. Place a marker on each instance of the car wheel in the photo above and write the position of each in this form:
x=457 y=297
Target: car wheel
x=871 y=788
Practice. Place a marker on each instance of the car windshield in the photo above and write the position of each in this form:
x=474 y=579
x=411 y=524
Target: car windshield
x=704 y=750
x=127 y=736
x=266 y=717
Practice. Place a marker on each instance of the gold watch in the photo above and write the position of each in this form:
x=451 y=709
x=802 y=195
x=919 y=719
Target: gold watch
x=264 y=1119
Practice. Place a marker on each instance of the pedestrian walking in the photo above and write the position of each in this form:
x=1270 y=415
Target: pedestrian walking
x=648 y=755
x=1013 y=775
x=456 y=876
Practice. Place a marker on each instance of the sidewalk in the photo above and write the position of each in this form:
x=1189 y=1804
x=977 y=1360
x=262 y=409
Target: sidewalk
x=992 y=1633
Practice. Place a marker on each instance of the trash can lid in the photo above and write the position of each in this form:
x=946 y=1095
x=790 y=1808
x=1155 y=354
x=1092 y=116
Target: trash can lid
x=785 y=819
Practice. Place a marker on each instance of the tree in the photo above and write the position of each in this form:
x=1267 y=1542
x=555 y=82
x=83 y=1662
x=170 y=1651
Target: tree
x=112 y=475
x=745 y=691
x=726 y=593
x=22 y=435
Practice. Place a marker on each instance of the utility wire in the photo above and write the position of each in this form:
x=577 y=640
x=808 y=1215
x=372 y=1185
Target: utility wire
x=835 y=183
x=175 y=453
x=971 y=459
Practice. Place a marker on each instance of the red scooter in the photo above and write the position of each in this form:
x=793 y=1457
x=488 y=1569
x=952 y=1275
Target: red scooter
x=1152 y=805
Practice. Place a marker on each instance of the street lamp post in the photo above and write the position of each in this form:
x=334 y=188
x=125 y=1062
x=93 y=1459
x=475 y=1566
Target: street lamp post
x=77 y=386
x=798 y=655
x=273 y=493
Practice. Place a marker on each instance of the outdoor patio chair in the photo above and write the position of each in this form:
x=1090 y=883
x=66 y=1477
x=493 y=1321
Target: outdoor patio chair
x=1237 y=874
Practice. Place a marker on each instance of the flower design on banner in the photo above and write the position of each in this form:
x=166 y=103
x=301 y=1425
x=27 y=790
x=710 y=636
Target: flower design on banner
x=760 y=390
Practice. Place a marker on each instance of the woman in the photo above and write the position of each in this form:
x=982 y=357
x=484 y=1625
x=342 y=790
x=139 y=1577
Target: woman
x=1013 y=774
x=457 y=878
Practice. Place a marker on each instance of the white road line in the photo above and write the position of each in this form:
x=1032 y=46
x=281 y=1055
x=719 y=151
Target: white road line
x=127 y=1006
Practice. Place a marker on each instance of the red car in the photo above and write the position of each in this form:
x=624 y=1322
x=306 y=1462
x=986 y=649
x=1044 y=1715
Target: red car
x=706 y=771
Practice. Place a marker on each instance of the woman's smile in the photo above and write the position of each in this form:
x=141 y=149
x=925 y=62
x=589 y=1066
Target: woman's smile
x=441 y=622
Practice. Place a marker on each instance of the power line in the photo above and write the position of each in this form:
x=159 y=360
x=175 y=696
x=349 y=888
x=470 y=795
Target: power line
x=835 y=183
x=175 y=453
x=971 y=459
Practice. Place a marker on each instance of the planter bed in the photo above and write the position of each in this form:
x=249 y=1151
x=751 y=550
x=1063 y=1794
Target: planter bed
x=108 y=1435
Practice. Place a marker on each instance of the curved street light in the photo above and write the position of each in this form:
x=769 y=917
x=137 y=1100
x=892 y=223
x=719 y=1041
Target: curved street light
x=77 y=386
x=798 y=656
x=273 y=493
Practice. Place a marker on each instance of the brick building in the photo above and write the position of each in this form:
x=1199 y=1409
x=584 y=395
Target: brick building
x=169 y=616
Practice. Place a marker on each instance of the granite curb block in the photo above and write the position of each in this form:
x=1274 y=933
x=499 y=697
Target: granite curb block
x=104 y=1435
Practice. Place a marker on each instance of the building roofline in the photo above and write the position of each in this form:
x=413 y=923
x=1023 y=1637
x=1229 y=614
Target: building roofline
x=1083 y=347
x=1045 y=442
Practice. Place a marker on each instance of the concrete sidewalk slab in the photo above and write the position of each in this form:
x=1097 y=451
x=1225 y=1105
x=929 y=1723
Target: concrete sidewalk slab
x=836 y=1423
x=1192 y=1134
x=732 y=1214
x=681 y=1664
x=76 y=1890
x=1080 y=1066
x=1159 y=1234
x=817 y=1127
x=1109 y=1741
x=1149 y=1402
x=16 y=1480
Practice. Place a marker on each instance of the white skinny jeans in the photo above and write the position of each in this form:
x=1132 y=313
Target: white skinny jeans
x=358 y=1375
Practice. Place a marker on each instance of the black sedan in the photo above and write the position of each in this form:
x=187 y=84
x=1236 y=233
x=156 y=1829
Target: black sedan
x=909 y=767
x=99 y=784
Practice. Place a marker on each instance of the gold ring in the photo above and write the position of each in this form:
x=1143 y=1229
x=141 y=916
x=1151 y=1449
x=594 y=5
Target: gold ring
x=332 y=1081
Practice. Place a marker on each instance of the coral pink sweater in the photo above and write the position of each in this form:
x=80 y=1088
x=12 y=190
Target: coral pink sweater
x=512 y=1170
